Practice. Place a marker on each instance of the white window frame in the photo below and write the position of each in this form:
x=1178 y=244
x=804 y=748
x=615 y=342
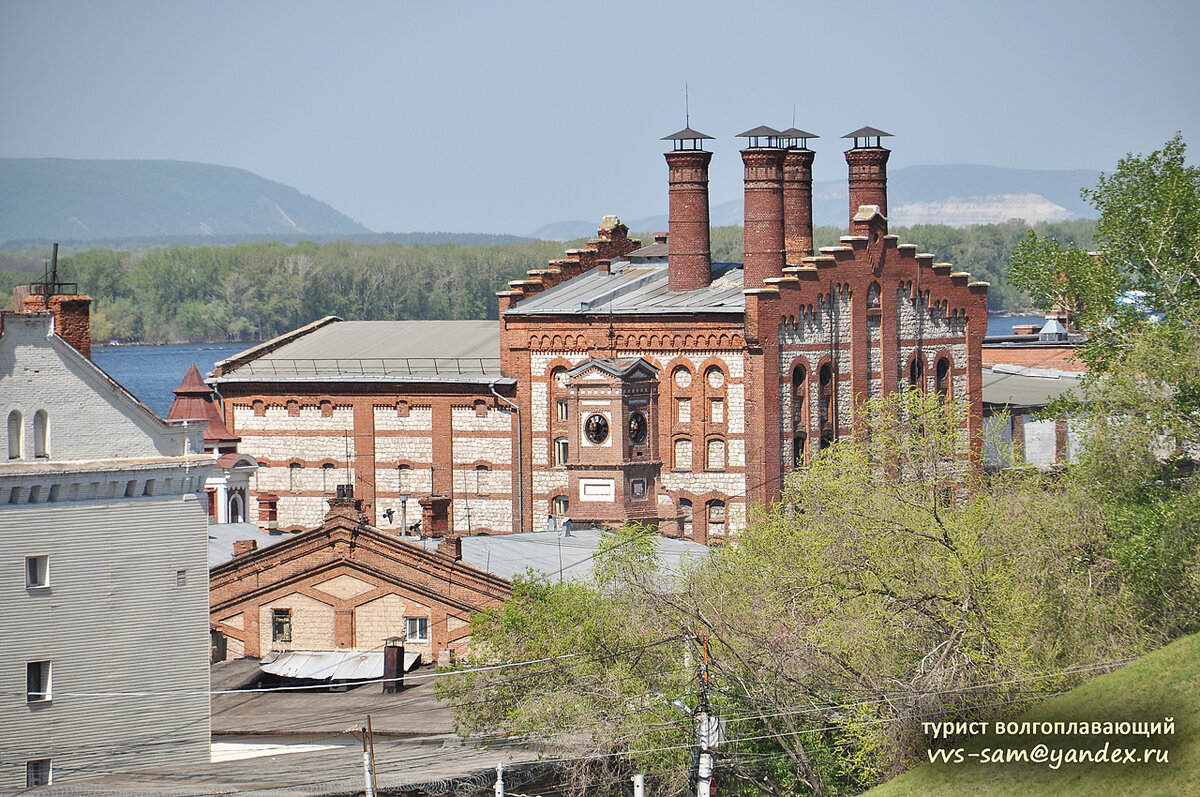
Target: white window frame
x=36 y=770
x=41 y=579
x=420 y=624
x=46 y=675
x=564 y=410
x=561 y=451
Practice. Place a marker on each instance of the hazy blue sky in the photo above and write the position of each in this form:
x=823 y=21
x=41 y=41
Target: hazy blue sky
x=503 y=116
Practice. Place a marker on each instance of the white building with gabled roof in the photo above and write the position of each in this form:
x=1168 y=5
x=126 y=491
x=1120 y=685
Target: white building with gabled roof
x=103 y=565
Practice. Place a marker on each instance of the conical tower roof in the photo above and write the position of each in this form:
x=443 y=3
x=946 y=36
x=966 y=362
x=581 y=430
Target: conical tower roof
x=194 y=402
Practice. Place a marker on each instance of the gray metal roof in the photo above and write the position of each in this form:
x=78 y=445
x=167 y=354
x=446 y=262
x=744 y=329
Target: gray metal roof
x=222 y=536
x=867 y=132
x=686 y=134
x=384 y=351
x=1015 y=386
x=638 y=288
x=554 y=555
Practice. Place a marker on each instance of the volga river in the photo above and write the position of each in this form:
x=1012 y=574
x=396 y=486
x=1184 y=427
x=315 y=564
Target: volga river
x=152 y=372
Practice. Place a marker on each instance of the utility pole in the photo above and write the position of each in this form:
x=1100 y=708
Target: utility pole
x=705 y=736
x=368 y=760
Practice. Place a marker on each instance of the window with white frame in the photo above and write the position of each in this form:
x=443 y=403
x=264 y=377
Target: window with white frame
x=417 y=629
x=560 y=504
x=37 y=681
x=38 y=773
x=37 y=571
x=560 y=451
x=563 y=411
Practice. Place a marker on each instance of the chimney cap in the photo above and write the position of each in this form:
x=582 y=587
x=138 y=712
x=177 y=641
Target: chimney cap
x=687 y=134
x=796 y=134
x=762 y=131
x=867 y=133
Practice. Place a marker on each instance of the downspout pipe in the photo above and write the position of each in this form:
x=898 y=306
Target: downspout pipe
x=520 y=461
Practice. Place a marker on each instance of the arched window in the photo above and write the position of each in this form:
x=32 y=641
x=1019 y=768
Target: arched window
x=714 y=379
x=683 y=454
x=41 y=434
x=716 y=454
x=916 y=372
x=560 y=451
x=560 y=504
x=402 y=481
x=294 y=476
x=481 y=481
x=327 y=477
x=825 y=405
x=685 y=511
x=236 y=512
x=941 y=378
x=716 y=518
x=799 y=413
x=15 y=427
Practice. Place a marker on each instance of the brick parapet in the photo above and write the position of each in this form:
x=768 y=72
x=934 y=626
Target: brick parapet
x=72 y=317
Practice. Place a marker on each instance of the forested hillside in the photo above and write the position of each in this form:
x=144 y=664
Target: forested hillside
x=256 y=291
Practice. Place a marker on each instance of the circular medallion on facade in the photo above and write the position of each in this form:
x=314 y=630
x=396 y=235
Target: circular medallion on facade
x=683 y=377
x=596 y=429
x=560 y=377
x=715 y=377
x=637 y=428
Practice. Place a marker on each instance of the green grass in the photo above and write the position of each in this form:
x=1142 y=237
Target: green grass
x=1165 y=683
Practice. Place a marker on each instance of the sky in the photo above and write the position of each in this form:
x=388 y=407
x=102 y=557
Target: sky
x=501 y=117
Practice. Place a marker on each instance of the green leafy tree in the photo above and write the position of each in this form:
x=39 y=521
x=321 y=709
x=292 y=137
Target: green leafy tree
x=877 y=594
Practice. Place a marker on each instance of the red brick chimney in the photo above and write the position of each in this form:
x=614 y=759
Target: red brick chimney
x=763 y=230
x=243 y=547
x=797 y=203
x=72 y=310
x=868 y=173
x=689 y=257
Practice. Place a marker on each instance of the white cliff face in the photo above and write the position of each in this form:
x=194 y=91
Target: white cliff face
x=990 y=209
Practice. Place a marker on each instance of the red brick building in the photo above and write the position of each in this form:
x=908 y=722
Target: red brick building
x=624 y=381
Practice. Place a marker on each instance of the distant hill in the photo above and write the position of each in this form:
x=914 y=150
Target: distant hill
x=953 y=195
x=57 y=199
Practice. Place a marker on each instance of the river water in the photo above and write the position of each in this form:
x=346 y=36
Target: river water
x=152 y=372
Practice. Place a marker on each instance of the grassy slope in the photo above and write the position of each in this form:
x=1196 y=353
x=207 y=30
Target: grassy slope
x=1165 y=683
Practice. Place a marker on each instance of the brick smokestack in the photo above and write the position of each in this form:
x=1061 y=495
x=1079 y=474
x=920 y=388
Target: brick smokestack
x=797 y=204
x=868 y=171
x=763 y=231
x=689 y=256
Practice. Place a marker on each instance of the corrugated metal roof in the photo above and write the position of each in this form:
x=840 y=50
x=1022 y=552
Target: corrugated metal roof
x=553 y=554
x=638 y=288
x=1016 y=387
x=336 y=665
x=382 y=350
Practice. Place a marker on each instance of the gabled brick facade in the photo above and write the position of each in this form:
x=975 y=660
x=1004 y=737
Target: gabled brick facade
x=347 y=585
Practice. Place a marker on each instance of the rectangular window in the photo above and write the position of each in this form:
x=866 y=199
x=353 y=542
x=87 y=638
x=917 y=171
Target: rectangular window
x=37 y=571
x=418 y=629
x=37 y=681
x=718 y=411
x=181 y=578
x=562 y=410
x=683 y=410
x=560 y=451
x=37 y=773
x=281 y=625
